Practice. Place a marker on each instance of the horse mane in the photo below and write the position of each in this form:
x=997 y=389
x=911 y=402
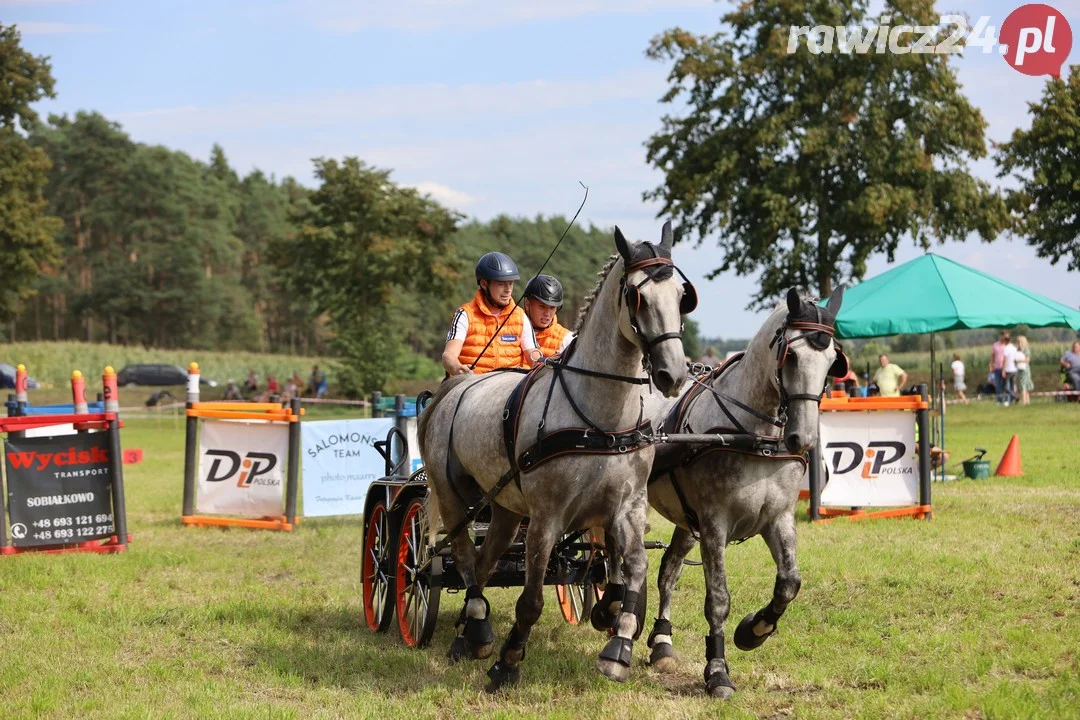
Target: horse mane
x=588 y=301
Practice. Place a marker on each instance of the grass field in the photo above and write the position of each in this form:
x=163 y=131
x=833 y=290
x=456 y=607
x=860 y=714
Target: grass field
x=973 y=615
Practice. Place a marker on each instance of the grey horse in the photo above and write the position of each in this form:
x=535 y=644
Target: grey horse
x=636 y=306
x=766 y=403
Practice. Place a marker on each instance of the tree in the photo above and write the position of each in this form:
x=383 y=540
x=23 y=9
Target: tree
x=26 y=231
x=808 y=164
x=1046 y=162
x=364 y=248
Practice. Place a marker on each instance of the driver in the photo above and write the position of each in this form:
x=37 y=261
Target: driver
x=543 y=298
x=475 y=324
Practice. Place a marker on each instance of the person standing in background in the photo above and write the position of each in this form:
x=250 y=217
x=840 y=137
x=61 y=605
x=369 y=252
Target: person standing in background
x=889 y=378
x=958 y=378
x=1009 y=373
x=1023 y=370
x=997 y=365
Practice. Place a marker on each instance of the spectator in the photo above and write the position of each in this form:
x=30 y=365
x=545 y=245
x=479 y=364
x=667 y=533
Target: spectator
x=709 y=358
x=997 y=365
x=317 y=385
x=232 y=393
x=958 y=378
x=1009 y=373
x=1070 y=361
x=251 y=384
x=291 y=389
x=298 y=382
x=889 y=378
x=849 y=383
x=1023 y=370
x=272 y=387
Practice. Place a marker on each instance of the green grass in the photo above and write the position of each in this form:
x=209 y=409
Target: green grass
x=973 y=615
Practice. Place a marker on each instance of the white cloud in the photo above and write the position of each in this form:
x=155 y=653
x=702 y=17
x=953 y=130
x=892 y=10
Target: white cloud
x=445 y=195
x=431 y=102
x=425 y=15
x=52 y=28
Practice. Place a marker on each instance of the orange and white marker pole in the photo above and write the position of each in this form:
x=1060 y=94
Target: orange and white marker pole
x=112 y=397
x=78 y=393
x=193 y=383
x=190 y=440
x=20 y=387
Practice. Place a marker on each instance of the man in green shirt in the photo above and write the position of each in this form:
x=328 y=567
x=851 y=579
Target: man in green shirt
x=889 y=378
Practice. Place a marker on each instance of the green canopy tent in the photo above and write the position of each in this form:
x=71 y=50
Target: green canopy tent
x=931 y=293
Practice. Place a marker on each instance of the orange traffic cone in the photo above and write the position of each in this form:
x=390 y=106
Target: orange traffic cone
x=1010 y=461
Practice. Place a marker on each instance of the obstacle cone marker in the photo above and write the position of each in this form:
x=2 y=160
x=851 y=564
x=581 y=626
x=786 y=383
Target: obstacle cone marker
x=1010 y=461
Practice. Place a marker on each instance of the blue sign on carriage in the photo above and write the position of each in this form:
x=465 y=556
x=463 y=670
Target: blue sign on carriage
x=339 y=463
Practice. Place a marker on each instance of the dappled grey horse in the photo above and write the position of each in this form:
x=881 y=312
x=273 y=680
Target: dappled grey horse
x=566 y=445
x=765 y=403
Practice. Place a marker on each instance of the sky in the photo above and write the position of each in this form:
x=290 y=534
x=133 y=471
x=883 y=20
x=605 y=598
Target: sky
x=489 y=106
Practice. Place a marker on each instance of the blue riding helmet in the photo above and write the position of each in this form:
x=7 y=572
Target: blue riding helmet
x=496 y=266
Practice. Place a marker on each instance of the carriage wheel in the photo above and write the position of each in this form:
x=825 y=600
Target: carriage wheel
x=378 y=569
x=417 y=596
x=576 y=601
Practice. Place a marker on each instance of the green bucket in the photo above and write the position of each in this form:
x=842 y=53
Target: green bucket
x=976 y=468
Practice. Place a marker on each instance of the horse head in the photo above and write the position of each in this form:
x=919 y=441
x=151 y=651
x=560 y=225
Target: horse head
x=806 y=355
x=655 y=301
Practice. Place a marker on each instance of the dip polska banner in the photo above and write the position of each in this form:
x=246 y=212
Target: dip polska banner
x=242 y=468
x=340 y=461
x=59 y=489
x=869 y=459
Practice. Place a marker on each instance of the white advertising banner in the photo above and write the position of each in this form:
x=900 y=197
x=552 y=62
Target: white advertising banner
x=415 y=461
x=339 y=463
x=242 y=468
x=869 y=459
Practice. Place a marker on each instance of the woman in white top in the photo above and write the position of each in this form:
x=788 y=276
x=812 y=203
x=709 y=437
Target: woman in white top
x=1023 y=370
x=958 y=377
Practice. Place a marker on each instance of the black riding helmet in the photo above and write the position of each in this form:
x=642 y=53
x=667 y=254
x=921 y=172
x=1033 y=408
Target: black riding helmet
x=496 y=266
x=546 y=289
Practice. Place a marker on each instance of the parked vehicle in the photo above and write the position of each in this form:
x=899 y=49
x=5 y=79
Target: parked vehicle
x=7 y=378
x=156 y=375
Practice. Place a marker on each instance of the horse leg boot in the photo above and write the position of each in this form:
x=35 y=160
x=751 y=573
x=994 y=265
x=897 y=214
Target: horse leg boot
x=475 y=636
x=607 y=606
x=538 y=546
x=717 y=607
x=614 y=660
x=755 y=629
x=663 y=657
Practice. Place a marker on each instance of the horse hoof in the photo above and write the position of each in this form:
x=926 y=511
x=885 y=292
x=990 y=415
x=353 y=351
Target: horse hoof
x=723 y=692
x=613 y=670
x=502 y=675
x=458 y=651
x=663 y=658
x=482 y=652
x=745 y=637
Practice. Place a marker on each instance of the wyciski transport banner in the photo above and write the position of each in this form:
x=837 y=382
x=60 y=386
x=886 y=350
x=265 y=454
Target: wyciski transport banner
x=869 y=459
x=340 y=462
x=242 y=468
x=59 y=489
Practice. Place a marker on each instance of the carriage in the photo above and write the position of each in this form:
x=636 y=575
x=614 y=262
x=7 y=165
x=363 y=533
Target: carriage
x=403 y=577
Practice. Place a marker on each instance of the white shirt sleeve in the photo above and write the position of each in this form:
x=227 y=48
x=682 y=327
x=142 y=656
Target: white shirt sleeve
x=566 y=341
x=528 y=339
x=459 y=326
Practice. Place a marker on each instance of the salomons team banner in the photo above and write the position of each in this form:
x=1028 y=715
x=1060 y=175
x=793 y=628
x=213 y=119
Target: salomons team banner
x=242 y=468
x=869 y=459
x=340 y=461
x=59 y=489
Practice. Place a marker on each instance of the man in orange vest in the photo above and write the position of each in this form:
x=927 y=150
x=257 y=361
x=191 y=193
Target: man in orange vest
x=476 y=324
x=543 y=298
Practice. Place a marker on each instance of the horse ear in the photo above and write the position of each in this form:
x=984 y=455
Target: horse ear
x=836 y=299
x=667 y=238
x=794 y=302
x=621 y=244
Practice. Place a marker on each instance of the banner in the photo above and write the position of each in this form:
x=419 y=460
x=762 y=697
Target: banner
x=415 y=461
x=339 y=463
x=59 y=489
x=242 y=467
x=869 y=459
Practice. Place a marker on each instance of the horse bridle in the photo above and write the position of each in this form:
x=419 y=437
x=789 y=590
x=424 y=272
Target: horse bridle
x=783 y=345
x=631 y=295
